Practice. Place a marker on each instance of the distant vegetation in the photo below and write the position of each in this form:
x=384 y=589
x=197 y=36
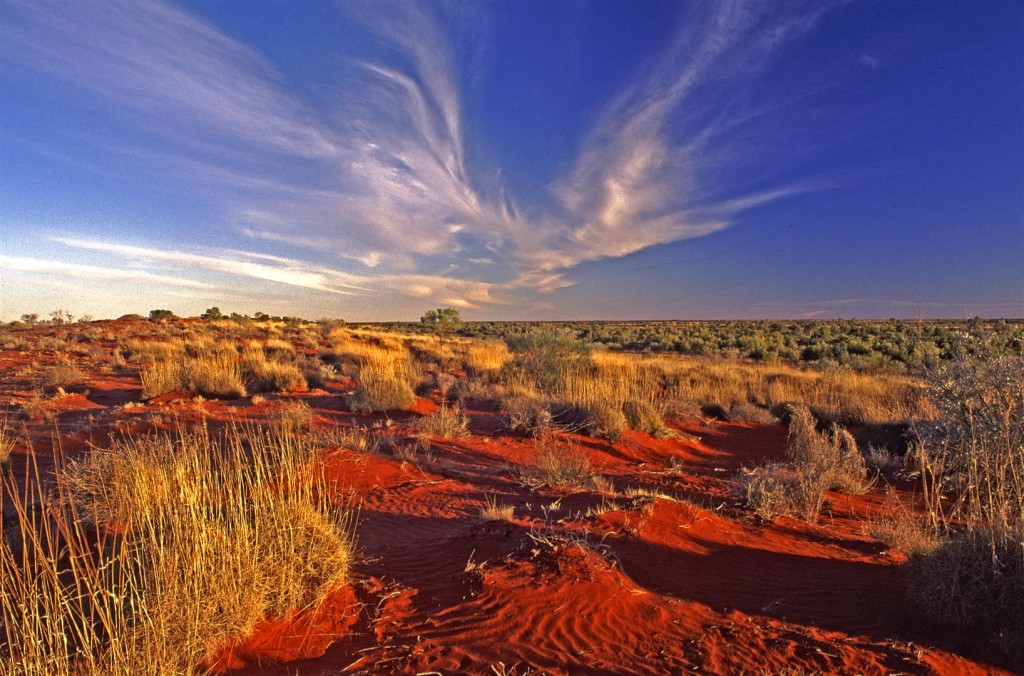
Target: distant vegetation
x=891 y=344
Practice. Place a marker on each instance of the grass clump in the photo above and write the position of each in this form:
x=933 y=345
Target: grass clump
x=386 y=381
x=606 y=421
x=563 y=465
x=445 y=422
x=817 y=462
x=975 y=451
x=273 y=369
x=644 y=416
x=199 y=541
x=491 y=510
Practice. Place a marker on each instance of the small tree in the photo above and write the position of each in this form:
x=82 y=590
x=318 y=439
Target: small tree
x=442 y=321
x=160 y=315
x=212 y=313
x=30 y=317
x=58 y=317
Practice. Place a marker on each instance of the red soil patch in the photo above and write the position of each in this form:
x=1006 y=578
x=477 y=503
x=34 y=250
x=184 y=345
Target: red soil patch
x=581 y=582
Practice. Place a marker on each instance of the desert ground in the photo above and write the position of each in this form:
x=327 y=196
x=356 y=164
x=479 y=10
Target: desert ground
x=439 y=504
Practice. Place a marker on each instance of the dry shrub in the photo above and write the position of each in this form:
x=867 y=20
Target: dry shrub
x=976 y=450
x=564 y=465
x=606 y=421
x=974 y=578
x=780 y=489
x=475 y=388
x=291 y=418
x=905 y=533
x=883 y=461
x=644 y=416
x=492 y=511
x=528 y=414
x=63 y=374
x=273 y=371
x=832 y=457
x=743 y=411
x=213 y=537
x=445 y=422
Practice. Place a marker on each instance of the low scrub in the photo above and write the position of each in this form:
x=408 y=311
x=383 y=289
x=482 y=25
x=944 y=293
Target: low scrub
x=445 y=422
x=562 y=465
x=974 y=578
x=606 y=421
x=387 y=380
x=198 y=541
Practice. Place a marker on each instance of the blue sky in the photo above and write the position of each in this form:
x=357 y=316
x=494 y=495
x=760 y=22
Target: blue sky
x=514 y=159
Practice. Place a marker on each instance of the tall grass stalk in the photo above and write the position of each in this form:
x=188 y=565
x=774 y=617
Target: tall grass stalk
x=153 y=555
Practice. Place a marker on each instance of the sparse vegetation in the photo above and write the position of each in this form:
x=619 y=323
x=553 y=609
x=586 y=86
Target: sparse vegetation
x=197 y=544
x=975 y=452
x=446 y=422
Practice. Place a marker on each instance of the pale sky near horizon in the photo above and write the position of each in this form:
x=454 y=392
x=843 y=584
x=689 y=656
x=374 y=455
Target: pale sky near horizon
x=584 y=159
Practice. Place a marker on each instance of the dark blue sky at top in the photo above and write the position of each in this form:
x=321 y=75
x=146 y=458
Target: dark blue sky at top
x=514 y=159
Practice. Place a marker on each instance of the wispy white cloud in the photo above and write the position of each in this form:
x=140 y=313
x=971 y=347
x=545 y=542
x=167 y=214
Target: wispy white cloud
x=386 y=182
x=95 y=272
x=295 y=273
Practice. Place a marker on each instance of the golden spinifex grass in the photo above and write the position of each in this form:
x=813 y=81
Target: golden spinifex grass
x=840 y=394
x=154 y=554
x=6 y=441
x=387 y=374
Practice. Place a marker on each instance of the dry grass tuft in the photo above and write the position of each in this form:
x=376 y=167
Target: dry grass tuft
x=200 y=540
x=492 y=511
x=445 y=422
x=563 y=465
x=7 y=442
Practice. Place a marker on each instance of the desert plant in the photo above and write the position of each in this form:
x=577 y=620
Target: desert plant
x=271 y=369
x=975 y=449
x=528 y=413
x=543 y=357
x=7 y=442
x=199 y=542
x=492 y=511
x=606 y=421
x=780 y=489
x=644 y=416
x=386 y=378
x=558 y=464
x=445 y=422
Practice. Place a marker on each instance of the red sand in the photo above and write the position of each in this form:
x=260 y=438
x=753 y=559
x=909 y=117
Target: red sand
x=639 y=586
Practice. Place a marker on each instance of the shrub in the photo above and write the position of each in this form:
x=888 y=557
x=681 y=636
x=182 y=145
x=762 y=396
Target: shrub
x=976 y=446
x=543 y=357
x=559 y=465
x=832 y=457
x=779 y=489
x=528 y=413
x=644 y=416
x=976 y=579
x=445 y=422
x=606 y=421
